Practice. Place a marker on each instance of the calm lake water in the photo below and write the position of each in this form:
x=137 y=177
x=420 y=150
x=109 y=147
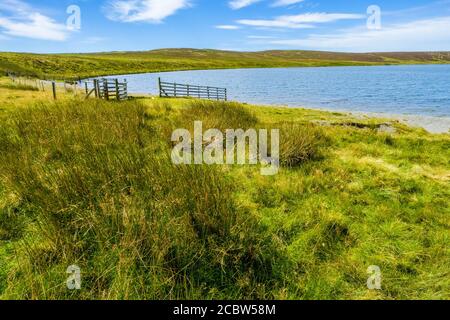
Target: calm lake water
x=416 y=90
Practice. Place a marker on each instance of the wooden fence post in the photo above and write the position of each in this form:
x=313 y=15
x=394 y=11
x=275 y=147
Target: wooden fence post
x=54 y=90
x=117 y=90
x=160 y=87
x=86 y=87
x=106 y=89
x=125 y=87
x=96 y=87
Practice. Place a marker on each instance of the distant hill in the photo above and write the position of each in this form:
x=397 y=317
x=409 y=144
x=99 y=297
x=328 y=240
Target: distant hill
x=71 y=66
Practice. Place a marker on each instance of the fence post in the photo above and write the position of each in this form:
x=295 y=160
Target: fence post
x=207 y=89
x=125 y=86
x=86 y=87
x=160 y=87
x=106 y=89
x=54 y=89
x=188 y=91
x=117 y=90
x=96 y=87
x=226 y=95
x=175 y=90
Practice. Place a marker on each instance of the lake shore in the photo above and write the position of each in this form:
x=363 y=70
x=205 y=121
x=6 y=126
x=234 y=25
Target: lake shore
x=404 y=93
x=431 y=124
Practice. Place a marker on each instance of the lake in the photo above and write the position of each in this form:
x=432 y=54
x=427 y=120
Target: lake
x=412 y=90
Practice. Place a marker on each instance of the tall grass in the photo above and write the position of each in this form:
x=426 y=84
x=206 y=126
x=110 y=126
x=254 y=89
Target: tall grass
x=88 y=184
x=217 y=115
x=18 y=86
x=300 y=143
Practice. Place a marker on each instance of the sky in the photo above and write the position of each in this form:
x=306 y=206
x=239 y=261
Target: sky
x=62 y=26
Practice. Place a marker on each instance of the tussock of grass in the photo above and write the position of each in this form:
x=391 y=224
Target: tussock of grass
x=299 y=143
x=217 y=115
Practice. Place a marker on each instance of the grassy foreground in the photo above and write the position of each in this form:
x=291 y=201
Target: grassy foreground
x=90 y=183
x=72 y=66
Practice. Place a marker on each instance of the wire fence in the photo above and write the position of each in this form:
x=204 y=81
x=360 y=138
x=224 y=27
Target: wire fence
x=107 y=89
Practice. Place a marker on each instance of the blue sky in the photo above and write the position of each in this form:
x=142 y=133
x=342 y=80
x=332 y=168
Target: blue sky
x=245 y=25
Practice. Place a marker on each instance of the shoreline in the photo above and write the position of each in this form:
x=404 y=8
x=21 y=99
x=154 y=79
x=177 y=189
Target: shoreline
x=431 y=124
x=272 y=67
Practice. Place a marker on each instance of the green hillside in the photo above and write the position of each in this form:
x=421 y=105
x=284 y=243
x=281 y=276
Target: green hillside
x=70 y=66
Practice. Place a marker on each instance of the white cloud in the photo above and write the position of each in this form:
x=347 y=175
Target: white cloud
x=14 y=6
x=274 y=24
x=227 y=27
x=152 y=11
x=421 y=35
x=321 y=17
x=282 y=3
x=239 y=4
x=301 y=20
x=24 y=21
